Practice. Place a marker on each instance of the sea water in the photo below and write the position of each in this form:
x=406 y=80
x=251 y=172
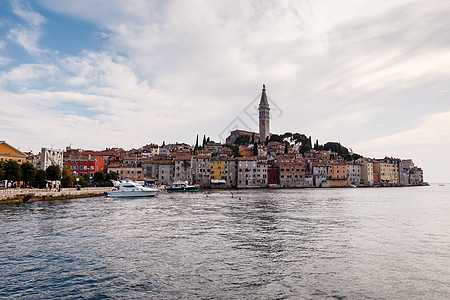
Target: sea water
x=360 y=243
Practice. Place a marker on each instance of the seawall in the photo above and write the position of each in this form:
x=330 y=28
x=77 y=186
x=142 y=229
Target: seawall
x=24 y=195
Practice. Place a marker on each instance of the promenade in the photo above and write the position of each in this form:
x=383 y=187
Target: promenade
x=18 y=195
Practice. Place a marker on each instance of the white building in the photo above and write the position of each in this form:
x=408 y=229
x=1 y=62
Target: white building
x=354 y=172
x=51 y=157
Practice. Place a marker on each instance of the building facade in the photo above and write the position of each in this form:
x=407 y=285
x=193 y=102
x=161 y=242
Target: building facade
x=51 y=157
x=9 y=153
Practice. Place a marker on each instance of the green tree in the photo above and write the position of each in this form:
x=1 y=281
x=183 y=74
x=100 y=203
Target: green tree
x=204 y=142
x=112 y=176
x=2 y=170
x=28 y=172
x=235 y=149
x=276 y=138
x=67 y=178
x=339 y=149
x=242 y=140
x=39 y=179
x=196 y=145
x=86 y=177
x=53 y=172
x=287 y=135
x=99 y=176
x=316 y=145
x=13 y=171
x=255 y=149
x=82 y=181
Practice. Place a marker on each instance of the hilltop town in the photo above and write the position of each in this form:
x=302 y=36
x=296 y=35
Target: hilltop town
x=246 y=160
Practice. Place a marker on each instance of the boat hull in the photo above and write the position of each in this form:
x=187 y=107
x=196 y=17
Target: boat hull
x=181 y=190
x=132 y=193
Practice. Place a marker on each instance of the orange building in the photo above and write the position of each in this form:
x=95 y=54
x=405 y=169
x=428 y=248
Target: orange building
x=246 y=151
x=9 y=153
x=338 y=171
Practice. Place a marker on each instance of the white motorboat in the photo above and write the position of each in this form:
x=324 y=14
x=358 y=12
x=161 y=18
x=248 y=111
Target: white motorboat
x=132 y=189
x=182 y=186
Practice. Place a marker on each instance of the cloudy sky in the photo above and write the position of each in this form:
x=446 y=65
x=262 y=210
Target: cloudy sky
x=373 y=74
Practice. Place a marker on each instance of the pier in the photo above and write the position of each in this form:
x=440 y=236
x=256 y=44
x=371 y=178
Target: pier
x=24 y=195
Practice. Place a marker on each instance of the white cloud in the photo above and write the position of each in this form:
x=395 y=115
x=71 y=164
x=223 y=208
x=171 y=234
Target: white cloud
x=169 y=70
x=27 y=35
x=25 y=73
x=427 y=144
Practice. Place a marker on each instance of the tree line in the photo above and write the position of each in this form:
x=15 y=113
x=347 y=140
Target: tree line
x=290 y=139
x=30 y=176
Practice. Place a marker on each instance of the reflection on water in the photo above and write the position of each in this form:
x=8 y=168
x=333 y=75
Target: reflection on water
x=390 y=243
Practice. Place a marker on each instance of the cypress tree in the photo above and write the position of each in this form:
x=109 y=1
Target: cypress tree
x=196 y=144
x=204 y=141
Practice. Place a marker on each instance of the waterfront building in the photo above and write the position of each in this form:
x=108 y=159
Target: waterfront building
x=367 y=176
x=9 y=153
x=309 y=179
x=261 y=171
x=232 y=171
x=80 y=164
x=338 y=174
x=403 y=168
x=218 y=171
x=201 y=170
x=183 y=167
x=166 y=172
x=130 y=170
x=223 y=172
x=150 y=169
x=264 y=116
x=354 y=172
x=246 y=172
x=415 y=176
x=292 y=172
x=387 y=170
x=321 y=174
x=273 y=173
x=51 y=157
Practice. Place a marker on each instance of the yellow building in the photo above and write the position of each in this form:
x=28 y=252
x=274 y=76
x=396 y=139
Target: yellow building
x=8 y=153
x=218 y=169
x=387 y=172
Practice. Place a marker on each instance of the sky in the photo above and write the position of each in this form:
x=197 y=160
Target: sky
x=373 y=75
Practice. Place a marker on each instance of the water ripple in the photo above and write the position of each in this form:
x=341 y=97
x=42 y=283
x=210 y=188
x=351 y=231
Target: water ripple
x=272 y=244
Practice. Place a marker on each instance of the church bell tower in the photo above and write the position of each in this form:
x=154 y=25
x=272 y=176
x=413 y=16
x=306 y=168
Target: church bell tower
x=264 y=129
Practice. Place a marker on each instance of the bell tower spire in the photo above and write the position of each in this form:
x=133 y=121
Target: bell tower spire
x=264 y=118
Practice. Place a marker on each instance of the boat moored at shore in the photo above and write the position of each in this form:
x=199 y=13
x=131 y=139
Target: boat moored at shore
x=132 y=189
x=182 y=186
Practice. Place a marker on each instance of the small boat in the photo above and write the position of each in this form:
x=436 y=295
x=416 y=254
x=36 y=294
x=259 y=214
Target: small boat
x=182 y=186
x=132 y=189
